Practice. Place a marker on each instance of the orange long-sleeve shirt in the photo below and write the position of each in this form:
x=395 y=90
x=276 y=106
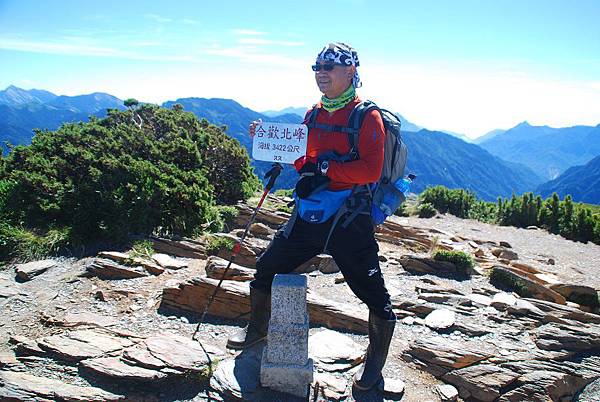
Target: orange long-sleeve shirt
x=371 y=139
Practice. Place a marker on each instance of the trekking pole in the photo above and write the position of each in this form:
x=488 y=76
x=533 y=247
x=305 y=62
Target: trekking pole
x=272 y=175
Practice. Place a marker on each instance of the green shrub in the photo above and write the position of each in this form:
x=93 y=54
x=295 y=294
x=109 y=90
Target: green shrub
x=227 y=166
x=457 y=202
x=403 y=210
x=586 y=299
x=284 y=192
x=22 y=245
x=228 y=215
x=285 y=208
x=112 y=177
x=464 y=262
x=575 y=221
x=426 y=210
x=142 y=249
x=214 y=244
x=501 y=278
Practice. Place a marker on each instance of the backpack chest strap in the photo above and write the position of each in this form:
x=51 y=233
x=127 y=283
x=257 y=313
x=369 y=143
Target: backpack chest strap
x=351 y=130
x=331 y=128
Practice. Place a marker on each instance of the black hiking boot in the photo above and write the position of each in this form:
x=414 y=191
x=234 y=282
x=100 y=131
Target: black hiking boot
x=256 y=331
x=380 y=336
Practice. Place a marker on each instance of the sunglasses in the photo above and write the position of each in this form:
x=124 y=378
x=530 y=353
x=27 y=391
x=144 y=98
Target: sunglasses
x=326 y=67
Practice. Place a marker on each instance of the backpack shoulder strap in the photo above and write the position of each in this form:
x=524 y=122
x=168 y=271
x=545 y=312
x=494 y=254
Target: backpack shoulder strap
x=311 y=116
x=355 y=122
x=311 y=122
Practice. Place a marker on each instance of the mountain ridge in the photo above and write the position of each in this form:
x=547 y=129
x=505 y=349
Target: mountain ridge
x=581 y=182
x=436 y=157
x=546 y=150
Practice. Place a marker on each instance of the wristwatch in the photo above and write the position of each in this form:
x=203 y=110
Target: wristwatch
x=324 y=167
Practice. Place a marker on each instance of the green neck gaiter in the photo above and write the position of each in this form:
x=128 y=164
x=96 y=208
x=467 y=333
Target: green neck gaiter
x=331 y=105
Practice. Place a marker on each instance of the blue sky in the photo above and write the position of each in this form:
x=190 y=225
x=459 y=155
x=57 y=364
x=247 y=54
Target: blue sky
x=465 y=66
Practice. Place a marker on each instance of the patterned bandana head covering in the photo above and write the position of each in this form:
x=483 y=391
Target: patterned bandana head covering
x=342 y=54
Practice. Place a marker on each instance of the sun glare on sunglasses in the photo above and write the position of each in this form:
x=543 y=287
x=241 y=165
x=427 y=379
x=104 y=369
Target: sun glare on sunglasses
x=326 y=67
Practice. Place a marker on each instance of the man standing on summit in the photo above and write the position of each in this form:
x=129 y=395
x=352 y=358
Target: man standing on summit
x=333 y=173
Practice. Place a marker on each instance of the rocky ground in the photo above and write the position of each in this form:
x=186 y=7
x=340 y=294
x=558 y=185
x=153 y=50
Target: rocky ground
x=113 y=327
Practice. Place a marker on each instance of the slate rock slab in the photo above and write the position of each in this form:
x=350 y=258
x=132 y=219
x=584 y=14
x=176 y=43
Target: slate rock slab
x=505 y=254
x=447 y=392
x=333 y=351
x=166 y=261
x=439 y=355
x=591 y=393
x=261 y=230
x=544 y=385
x=524 y=284
x=425 y=265
x=178 y=352
x=579 y=338
x=140 y=356
x=502 y=300
x=481 y=381
x=8 y=288
x=238 y=378
x=328 y=266
x=580 y=294
x=83 y=344
x=393 y=389
x=215 y=268
x=331 y=387
x=108 y=269
x=26 y=272
x=26 y=387
x=87 y=318
x=440 y=319
x=8 y=361
x=478 y=299
x=115 y=368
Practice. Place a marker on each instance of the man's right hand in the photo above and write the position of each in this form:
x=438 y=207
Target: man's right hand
x=252 y=127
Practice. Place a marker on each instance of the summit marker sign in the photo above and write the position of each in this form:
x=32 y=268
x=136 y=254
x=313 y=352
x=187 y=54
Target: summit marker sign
x=279 y=142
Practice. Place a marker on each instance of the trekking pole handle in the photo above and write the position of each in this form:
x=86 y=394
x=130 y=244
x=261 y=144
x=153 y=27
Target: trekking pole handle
x=272 y=174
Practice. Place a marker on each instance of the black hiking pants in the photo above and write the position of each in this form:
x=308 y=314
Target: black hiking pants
x=353 y=248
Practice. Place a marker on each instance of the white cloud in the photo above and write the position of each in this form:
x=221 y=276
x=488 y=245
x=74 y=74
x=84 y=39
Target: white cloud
x=475 y=102
x=82 y=48
x=248 y=32
x=260 y=42
x=249 y=54
x=157 y=18
x=146 y=43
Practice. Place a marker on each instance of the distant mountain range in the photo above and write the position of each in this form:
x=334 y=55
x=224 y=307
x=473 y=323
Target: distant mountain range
x=16 y=96
x=440 y=159
x=435 y=157
x=21 y=111
x=300 y=111
x=406 y=125
x=547 y=151
x=581 y=182
x=488 y=136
